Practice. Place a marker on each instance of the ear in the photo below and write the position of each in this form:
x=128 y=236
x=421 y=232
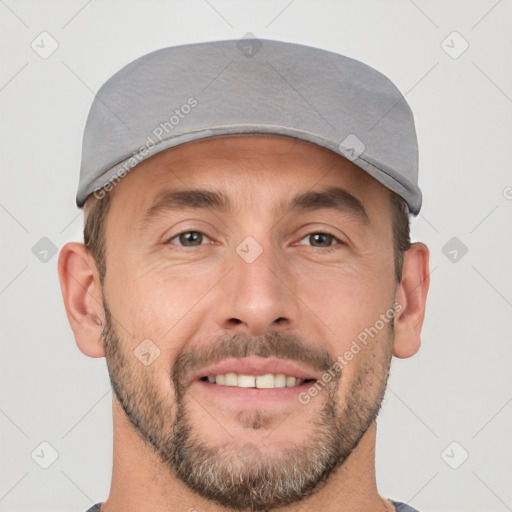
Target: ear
x=81 y=291
x=411 y=295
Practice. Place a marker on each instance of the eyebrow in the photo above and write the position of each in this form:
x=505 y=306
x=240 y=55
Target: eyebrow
x=179 y=199
x=334 y=198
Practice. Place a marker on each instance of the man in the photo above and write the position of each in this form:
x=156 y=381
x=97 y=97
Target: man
x=247 y=273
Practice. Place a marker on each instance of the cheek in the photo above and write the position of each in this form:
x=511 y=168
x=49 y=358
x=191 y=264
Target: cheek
x=158 y=305
x=357 y=305
x=348 y=300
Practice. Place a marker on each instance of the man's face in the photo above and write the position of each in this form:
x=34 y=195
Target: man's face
x=247 y=306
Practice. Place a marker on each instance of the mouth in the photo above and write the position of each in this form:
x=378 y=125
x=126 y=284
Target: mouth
x=265 y=381
x=251 y=380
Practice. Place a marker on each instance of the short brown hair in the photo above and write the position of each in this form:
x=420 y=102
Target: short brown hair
x=95 y=213
x=96 y=209
x=401 y=232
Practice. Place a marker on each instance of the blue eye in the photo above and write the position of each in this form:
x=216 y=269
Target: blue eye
x=189 y=238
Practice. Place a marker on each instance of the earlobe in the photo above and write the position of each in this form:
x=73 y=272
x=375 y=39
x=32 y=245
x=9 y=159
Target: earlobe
x=411 y=296
x=81 y=292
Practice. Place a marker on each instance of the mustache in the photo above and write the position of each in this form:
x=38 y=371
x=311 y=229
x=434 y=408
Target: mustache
x=273 y=344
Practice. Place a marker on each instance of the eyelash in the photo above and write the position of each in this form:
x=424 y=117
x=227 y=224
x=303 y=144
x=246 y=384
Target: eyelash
x=324 y=249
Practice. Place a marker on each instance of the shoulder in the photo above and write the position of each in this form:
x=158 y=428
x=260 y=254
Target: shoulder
x=402 y=507
x=95 y=508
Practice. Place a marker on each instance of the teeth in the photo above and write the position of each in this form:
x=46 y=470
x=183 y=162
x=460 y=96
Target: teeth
x=290 y=382
x=246 y=381
x=266 y=381
x=280 y=381
x=231 y=379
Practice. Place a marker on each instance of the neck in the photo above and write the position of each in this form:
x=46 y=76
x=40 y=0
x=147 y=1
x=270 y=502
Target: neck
x=140 y=482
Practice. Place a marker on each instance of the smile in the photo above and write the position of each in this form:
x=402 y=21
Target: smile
x=253 y=379
x=265 y=381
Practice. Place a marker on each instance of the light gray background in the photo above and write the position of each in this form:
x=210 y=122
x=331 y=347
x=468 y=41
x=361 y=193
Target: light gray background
x=457 y=388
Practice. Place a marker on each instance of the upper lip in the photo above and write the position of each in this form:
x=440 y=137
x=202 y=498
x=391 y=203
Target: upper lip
x=256 y=366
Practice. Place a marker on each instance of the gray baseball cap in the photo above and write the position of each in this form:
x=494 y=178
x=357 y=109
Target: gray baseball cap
x=197 y=91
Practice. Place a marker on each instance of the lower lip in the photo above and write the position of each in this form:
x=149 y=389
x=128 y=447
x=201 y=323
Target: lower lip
x=253 y=396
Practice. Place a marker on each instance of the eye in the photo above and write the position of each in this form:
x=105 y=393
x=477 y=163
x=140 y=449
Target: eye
x=321 y=239
x=189 y=239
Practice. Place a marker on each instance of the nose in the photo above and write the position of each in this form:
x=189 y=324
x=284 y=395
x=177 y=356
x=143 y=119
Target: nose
x=257 y=295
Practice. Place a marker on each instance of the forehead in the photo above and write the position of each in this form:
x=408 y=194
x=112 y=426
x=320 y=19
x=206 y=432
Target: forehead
x=250 y=170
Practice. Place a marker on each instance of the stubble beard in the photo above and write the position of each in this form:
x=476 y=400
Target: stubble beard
x=236 y=475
